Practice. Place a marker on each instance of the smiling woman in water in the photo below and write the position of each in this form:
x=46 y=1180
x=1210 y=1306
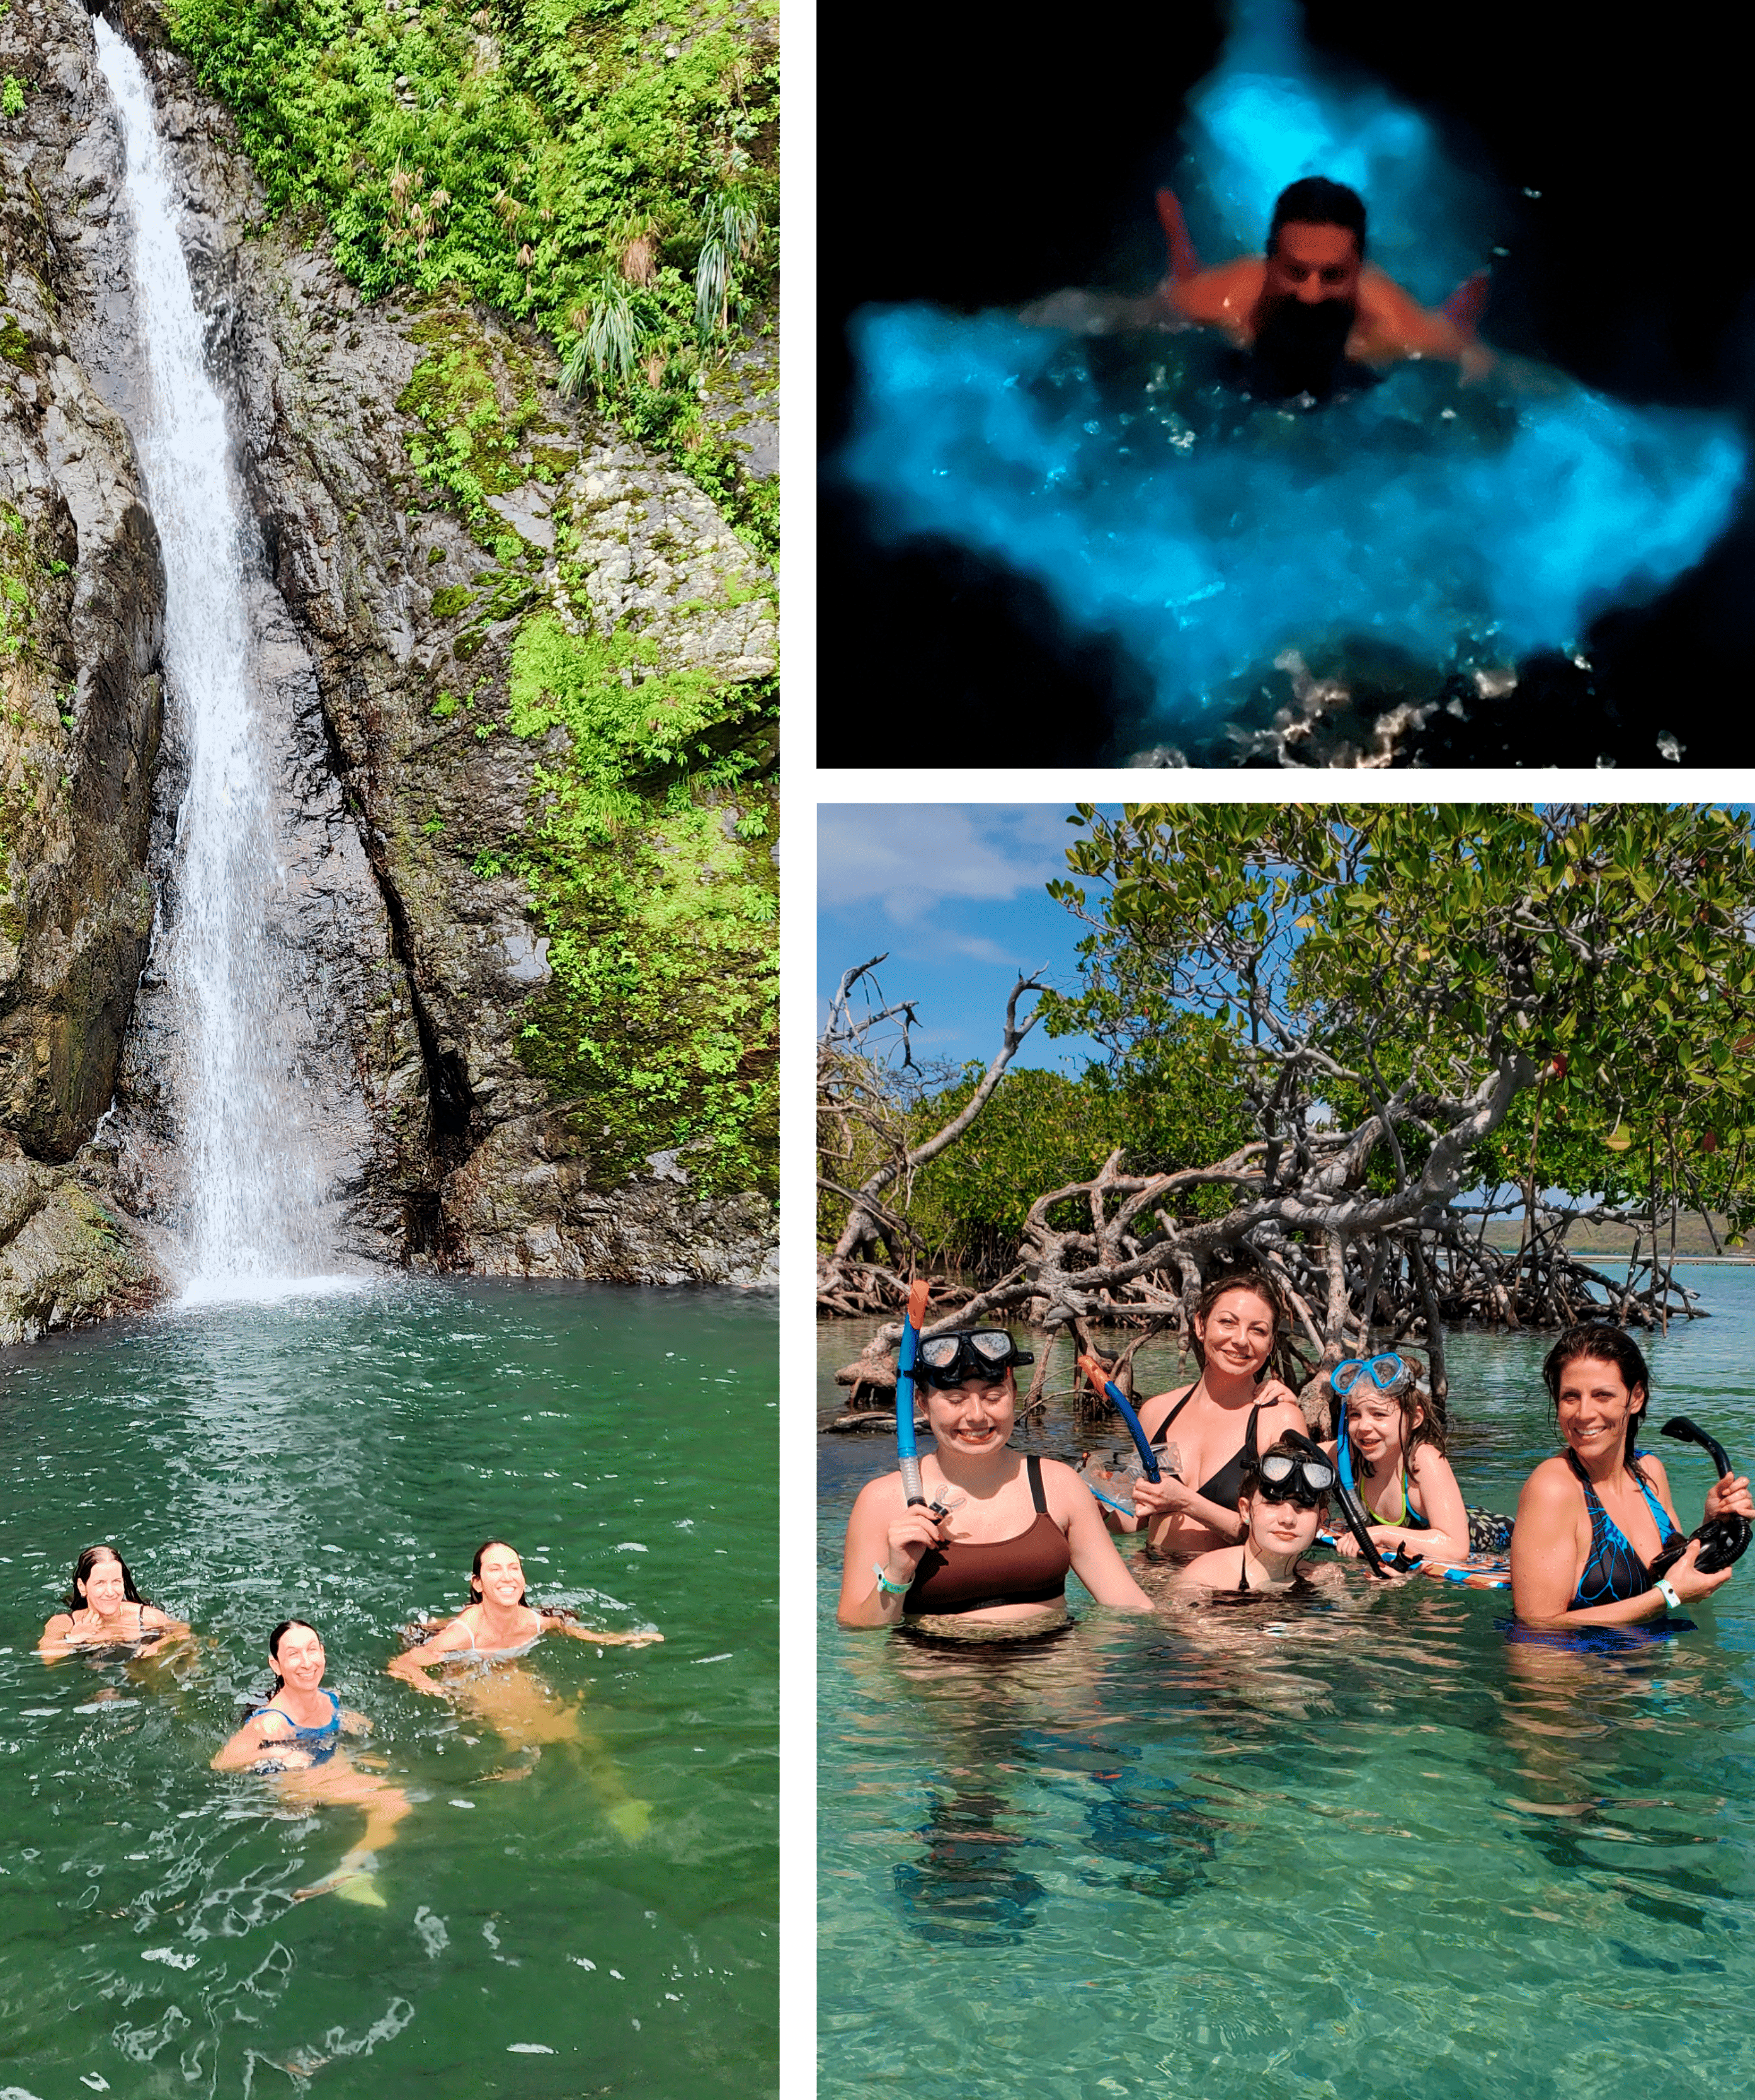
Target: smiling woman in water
x=500 y=1625
x=990 y=1555
x=1597 y=1542
x=296 y=1738
x=500 y=1622
x=105 y=1610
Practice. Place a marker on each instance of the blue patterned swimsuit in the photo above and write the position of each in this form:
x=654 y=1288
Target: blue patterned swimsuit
x=1614 y=1572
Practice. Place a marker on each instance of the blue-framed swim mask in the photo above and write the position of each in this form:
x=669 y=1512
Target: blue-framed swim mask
x=1388 y=1373
x=979 y=1353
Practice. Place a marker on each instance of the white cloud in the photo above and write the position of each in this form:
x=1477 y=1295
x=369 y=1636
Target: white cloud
x=909 y=856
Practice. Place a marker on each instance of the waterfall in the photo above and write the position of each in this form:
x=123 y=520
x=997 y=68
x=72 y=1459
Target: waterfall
x=257 y=1224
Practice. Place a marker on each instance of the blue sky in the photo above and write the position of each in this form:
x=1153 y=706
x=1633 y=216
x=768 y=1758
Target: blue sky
x=955 y=893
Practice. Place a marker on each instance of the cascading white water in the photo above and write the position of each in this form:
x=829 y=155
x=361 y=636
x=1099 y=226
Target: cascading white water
x=257 y=1221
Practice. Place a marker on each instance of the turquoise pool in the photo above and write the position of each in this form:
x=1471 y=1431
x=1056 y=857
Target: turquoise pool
x=340 y=1459
x=1371 y=1849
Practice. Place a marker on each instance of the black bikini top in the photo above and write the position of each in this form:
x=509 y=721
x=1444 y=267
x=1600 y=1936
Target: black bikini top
x=1226 y=1485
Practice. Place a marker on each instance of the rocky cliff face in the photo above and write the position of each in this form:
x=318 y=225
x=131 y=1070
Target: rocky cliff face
x=419 y=753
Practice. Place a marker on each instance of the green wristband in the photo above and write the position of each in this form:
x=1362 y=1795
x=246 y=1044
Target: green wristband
x=890 y=1589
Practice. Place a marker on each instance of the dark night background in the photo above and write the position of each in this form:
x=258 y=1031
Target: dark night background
x=974 y=156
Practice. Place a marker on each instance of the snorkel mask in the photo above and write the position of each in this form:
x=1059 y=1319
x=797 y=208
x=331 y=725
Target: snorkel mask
x=1280 y=1476
x=979 y=1353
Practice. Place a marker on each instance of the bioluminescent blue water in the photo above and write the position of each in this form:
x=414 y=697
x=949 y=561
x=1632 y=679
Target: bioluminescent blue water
x=1365 y=1847
x=1134 y=479
x=1273 y=111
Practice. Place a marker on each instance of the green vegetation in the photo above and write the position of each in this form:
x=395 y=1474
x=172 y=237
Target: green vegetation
x=649 y=865
x=603 y=169
x=12 y=96
x=1043 y=1130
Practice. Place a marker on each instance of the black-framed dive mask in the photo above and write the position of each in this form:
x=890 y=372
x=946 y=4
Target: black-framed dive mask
x=982 y=1354
x=1305 y=1479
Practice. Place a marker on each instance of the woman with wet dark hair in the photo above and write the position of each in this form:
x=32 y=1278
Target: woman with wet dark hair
x=295 y=1737
x=105 y=1610
x=1592 y=1522
x=498 y=1626
x=499 y=1622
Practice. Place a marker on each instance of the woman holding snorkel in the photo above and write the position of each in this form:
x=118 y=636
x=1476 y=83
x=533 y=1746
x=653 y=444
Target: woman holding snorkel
x=1597 y=1542
x=1208 y=1430
x=985 y=1554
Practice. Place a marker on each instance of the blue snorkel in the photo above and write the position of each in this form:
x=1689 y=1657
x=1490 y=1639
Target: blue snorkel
x=1123 y=1406
x=905 y=1454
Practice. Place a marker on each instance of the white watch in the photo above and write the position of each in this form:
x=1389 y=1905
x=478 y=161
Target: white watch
x=1671 y=1596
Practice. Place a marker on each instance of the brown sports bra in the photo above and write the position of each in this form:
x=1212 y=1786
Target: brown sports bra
x=1029 y=1567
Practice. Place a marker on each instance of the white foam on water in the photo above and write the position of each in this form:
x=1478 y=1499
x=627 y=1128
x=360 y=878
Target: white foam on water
x=257 y=1224
x=248 y=1290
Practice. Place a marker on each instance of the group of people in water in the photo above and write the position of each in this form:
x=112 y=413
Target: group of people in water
x=1245 y=1490
x=294 y=1735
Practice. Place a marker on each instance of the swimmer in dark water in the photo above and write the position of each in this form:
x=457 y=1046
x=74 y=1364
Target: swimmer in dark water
x=1591 y=1523
x=105 y=1610
x=296 y=1738
x=1312 y=315
x=988 y=1555
x=497 y=1628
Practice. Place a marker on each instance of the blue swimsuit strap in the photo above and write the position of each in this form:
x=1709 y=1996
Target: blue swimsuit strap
x=322 y=1728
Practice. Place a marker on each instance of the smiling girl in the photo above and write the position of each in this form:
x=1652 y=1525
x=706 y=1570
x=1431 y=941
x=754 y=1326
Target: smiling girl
x=987 y=1555
x=1402 y=1477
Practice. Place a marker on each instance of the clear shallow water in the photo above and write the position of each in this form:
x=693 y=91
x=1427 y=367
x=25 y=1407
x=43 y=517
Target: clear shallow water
x=340 y=1460
x=1373 y=1847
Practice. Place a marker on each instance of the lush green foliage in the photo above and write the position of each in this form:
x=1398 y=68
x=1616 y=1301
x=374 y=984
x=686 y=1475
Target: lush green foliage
x=1600 y=954
x=1043 y=1130
x=576 y=164
x=649 y=858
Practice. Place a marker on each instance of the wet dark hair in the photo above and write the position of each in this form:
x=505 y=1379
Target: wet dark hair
x=82 y=1568
x=548 y=1611
x=1254 y=1280
x=475 y=1569
x=1597 y=1343
x=277 y=1636
x=1315 y=201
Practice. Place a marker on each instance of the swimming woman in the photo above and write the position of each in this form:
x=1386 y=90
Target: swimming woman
x=1285 y=1497
x=988 y=1555
x=296 y=1738
x=1403 y=1480
x=1214 y=1426
x=499 y=1625
x=105 y=1610
x=1591 y=1522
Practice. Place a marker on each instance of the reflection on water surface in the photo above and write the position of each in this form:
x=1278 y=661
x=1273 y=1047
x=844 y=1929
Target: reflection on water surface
x=1365 y=1846
x=339 y=1460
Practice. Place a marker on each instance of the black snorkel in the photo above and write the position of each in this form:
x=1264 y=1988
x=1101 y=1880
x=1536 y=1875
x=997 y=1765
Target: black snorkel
x=1351 y=1506
x=1723 y=1539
